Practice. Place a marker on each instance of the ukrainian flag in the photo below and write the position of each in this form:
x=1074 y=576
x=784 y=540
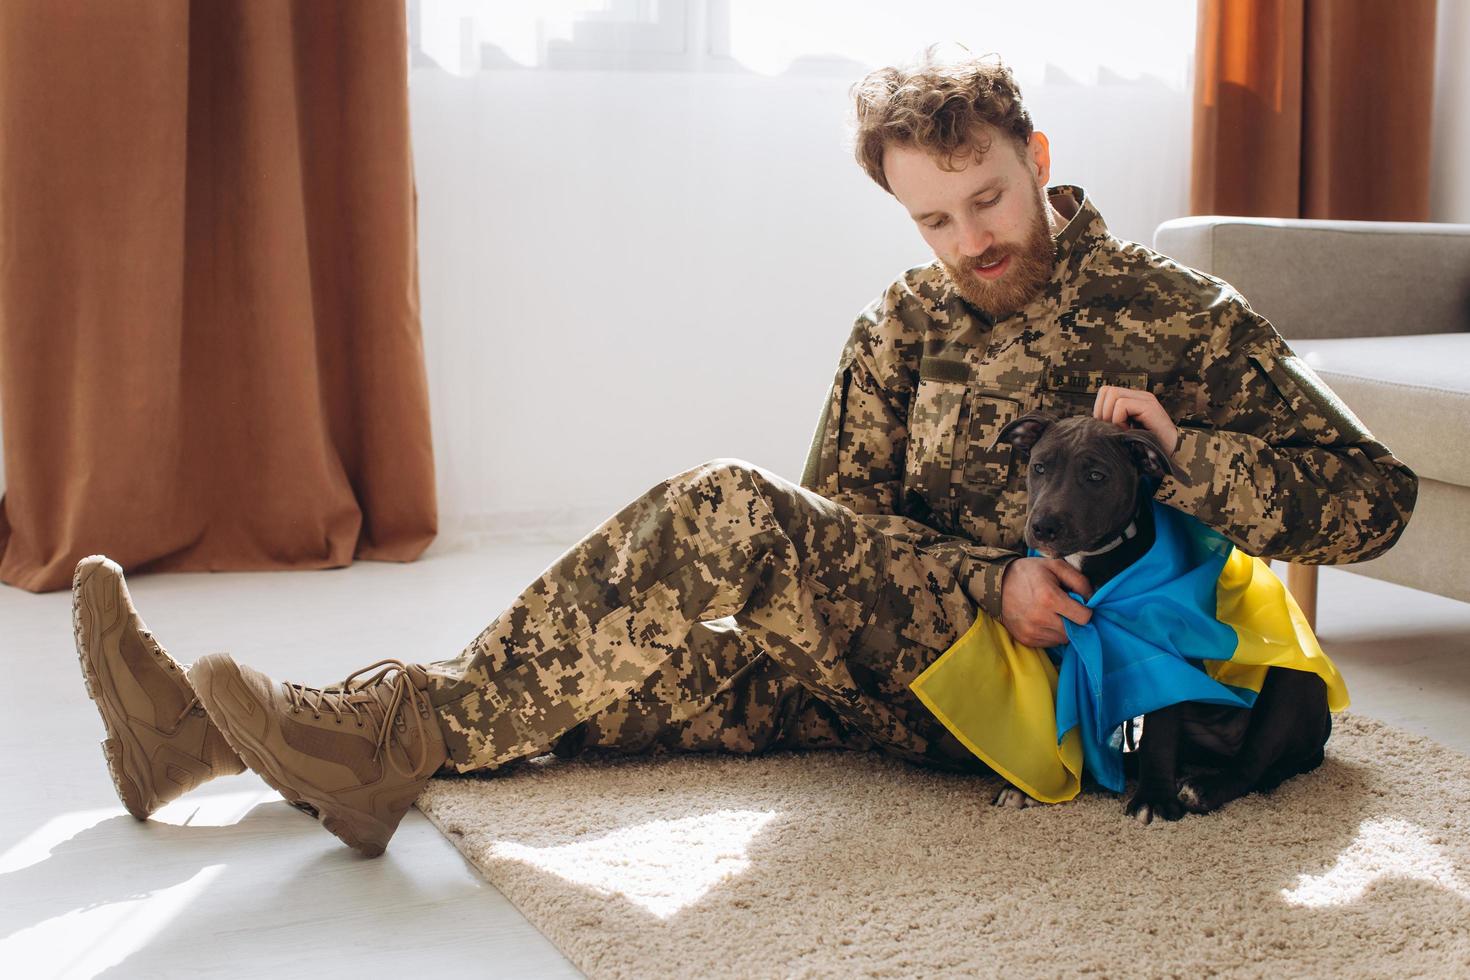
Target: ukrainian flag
x=1194 y=619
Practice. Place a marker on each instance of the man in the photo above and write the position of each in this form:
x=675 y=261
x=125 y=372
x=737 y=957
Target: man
x=728 y=609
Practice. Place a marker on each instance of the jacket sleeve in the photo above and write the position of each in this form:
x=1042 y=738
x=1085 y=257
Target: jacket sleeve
x=859 y=449
x=1275 y=460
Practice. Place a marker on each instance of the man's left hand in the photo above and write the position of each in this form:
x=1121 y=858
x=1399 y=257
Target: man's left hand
x=1122 y=405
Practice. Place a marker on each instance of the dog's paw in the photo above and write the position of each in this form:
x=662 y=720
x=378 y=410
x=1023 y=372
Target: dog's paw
x=1207 y=793
x=1015 y=799
x=1146 y=804
x=1193 y=797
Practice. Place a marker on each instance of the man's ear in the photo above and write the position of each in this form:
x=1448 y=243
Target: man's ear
x=1149 y=456
x=1022 y=433
x=1039 y=149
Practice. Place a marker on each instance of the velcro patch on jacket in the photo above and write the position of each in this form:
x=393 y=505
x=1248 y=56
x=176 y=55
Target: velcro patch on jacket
x=1305 y=391
x=1071 y=379
x=943 y=369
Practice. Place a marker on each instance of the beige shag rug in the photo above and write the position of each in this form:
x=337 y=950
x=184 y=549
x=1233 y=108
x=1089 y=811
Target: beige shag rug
x=839 y=864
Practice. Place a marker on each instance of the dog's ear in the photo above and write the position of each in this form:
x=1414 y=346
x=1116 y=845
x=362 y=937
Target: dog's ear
x=1149 y=456
x=1022 y=433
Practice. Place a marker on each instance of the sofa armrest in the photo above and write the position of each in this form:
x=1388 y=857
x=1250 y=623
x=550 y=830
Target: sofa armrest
x=1315 y=278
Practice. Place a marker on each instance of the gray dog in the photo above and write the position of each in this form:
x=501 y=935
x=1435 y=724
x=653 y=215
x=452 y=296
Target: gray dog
x=1090 y=504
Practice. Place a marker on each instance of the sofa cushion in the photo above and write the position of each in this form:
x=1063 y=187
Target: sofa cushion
x=1314 y=277
x=1412 y=392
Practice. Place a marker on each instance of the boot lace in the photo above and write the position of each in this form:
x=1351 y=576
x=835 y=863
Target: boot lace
x=158 y=651
x=360 y=701
x=194 y=706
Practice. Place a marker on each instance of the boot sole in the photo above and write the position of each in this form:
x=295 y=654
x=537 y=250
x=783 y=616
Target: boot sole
x=353 y=827
x=121 y=748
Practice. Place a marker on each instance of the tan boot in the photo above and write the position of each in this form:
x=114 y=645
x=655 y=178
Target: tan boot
x=160 y=743
x=355 y=754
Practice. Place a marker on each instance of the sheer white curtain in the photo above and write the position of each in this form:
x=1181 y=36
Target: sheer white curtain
x=1077 y=39
x=643 y=237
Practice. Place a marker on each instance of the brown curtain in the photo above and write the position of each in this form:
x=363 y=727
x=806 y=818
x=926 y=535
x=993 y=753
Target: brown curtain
x=1313 y=108
x=210 y=354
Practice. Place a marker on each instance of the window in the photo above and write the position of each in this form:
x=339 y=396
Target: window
x=1067 y=41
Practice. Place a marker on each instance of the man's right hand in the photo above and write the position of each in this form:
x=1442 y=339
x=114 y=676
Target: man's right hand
x=1033 y=600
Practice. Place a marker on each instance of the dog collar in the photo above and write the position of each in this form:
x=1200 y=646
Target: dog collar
x=1075 y=559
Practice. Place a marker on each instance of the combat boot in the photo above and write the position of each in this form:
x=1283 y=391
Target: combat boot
x=355 y=755
x=160 y=742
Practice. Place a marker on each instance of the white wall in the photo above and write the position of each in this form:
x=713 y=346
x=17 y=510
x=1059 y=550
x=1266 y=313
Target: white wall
x=624 y=274
x=1449 y=166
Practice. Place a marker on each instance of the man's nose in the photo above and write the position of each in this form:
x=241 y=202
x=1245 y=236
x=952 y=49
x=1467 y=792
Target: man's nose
x=974 y=239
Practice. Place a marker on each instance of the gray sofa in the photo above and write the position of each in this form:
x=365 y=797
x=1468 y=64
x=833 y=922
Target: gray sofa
x=1381 y=311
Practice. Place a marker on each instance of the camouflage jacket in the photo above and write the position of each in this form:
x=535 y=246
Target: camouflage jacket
x=1273 y=459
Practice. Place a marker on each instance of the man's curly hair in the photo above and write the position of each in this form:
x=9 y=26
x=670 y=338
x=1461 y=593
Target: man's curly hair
x=937 y=106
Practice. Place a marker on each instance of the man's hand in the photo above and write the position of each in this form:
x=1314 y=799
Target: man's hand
x=1119 y=405
x=1033 y=600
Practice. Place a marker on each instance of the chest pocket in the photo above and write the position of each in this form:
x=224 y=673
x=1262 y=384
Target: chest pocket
x=990 y=410
x=1068 y=392
x=952 y=422
x=934 y=430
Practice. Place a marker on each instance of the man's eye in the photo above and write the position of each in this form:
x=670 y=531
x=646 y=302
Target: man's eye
x=990 y=203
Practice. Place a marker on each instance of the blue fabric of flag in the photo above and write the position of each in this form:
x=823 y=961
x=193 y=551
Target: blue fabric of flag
x=1152 y=626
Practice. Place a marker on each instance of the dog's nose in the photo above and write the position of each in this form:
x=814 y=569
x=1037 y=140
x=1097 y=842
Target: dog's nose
x=1046 y=528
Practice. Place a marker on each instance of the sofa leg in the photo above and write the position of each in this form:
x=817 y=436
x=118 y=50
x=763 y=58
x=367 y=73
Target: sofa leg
x=1301 y=580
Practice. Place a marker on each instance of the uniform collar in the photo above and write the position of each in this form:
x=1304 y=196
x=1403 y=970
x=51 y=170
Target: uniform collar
x=1085 y=229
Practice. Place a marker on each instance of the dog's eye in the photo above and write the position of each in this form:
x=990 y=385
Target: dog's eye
x=1037 y=468
x=1096 y=476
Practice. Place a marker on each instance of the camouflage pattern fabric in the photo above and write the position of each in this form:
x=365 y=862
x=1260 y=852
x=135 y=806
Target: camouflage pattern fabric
x=1272 y=458
x=728 y=609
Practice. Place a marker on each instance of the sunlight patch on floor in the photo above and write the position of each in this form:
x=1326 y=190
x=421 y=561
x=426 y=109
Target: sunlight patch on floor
x=36 y=846
x=661 y=866
x=87 y=941
x=1383 y=848
x=218 y=810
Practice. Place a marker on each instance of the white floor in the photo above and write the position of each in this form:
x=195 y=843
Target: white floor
x=231 y=881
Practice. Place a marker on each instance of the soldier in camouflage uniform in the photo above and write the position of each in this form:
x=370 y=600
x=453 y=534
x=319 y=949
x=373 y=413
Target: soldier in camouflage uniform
x=729 y=609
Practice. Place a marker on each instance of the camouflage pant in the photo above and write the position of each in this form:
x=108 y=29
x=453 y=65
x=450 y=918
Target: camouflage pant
x=725 y=610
